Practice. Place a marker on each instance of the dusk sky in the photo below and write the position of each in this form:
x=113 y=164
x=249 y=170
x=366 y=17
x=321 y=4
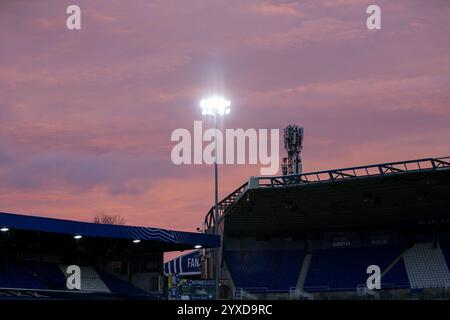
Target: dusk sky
x=86 y=115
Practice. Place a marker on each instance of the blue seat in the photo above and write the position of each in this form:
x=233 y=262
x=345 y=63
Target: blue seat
x=50 y=273
x=257 y=271
x=344 y=269
x=117 y=285
x=15 y=276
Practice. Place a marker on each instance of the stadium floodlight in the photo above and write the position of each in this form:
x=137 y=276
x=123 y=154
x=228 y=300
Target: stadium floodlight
x=136 y=241
x=77 y=237
x=197 y=246
x=215 y=106
x=4 y=229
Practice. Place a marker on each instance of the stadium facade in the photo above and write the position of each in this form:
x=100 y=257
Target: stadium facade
x=116 y=262
x=314 y=235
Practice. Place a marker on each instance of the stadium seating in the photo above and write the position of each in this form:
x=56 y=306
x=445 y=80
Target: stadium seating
x=345 y=268
x=43 y=275
x=274 y=271
x=119 y=286
x=396 y=277
x=90 y=280
x=49 y=273
x=426 y=267
x=15 y=276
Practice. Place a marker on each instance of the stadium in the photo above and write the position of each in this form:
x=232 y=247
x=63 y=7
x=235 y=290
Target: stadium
x=297 y=236
x=313 y=235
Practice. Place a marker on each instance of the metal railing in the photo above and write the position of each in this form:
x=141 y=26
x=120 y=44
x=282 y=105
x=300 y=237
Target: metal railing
x=383 y=169
x=224 y=205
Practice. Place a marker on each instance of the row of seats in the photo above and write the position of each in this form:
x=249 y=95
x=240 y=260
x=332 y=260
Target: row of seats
x=42 y=275
x=120 y=286
x=264 y=270
x=396 y=277
x=13 y=275
x=344 y=269
x=426 y=266
x=49 y=273
x=90 y=280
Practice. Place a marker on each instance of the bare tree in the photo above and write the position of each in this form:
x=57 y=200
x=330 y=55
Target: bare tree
x=105 y=218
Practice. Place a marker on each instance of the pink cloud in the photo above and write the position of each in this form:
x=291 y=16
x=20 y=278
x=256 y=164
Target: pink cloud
x=427 y=93
x=310 y=32
x=274 y=9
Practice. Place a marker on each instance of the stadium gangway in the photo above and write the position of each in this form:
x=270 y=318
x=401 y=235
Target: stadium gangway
x=326 y=176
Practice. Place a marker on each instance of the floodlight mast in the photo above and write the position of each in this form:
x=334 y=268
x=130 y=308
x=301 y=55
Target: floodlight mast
x=216 y=106
x=293 y=143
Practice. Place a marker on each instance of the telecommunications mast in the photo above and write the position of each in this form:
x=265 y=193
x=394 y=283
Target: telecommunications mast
x=293 y=143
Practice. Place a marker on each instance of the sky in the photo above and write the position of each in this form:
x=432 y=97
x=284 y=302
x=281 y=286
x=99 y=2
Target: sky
x=86 y=115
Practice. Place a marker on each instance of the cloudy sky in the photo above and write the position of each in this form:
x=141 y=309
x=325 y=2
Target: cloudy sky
x=86 y=116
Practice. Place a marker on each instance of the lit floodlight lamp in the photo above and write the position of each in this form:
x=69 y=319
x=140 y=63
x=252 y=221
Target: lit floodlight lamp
x=137 y=241
x=4 y=229
x=77 y=237
x=198 y=246
x=215 y=106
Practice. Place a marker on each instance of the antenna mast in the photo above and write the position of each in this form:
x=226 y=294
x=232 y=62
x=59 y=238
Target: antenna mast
x=293 y=143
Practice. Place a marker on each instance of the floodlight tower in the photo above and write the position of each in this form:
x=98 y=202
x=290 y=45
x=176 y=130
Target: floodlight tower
x=216 y=106
x=293 y=143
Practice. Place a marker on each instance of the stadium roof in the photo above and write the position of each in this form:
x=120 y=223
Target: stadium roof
x=413 y=193
x=166 y=240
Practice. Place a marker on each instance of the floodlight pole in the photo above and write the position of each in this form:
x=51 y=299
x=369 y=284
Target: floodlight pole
x=216 y=106
x=216 y=211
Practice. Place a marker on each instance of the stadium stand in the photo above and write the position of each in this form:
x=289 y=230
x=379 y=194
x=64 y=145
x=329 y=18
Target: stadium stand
x=342 y=220
x=264 y=270
x=426 y=267
x=49 y=273
x=43 y=275
x=119 y=286
x=345 y=268
x=90 y=279
x=396 y=277
x=35 y=253
x=342 y=269
x=15 y=276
